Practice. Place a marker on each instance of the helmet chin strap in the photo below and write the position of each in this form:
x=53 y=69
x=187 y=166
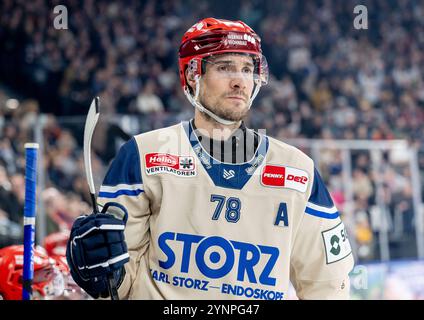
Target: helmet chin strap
x=195 y=102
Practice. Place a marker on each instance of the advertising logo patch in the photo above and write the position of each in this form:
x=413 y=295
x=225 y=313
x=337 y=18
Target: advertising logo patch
x=284 y=177
x=181 y=166
x=223 y=266
x=337 y=245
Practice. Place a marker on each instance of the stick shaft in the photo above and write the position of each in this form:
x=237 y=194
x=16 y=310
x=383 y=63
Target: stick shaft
x=31 y=150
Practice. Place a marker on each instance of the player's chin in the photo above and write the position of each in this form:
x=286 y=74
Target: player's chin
x=235 y=113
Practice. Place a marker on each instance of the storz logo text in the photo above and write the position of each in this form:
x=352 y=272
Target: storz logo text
x=215 y=257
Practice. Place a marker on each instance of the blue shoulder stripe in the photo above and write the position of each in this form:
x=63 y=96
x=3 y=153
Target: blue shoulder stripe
x=320 y=203
x=320 y=195
x=126 y=167
x=321 y=214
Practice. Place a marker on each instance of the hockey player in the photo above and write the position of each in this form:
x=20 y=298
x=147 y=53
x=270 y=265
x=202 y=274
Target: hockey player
x=209 y=209
x=48 y=280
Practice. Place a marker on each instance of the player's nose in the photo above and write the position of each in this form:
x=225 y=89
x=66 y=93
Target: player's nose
x=238 y=83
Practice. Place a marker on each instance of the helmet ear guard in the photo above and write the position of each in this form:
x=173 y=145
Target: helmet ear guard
x=194 y=66
x=193 y=70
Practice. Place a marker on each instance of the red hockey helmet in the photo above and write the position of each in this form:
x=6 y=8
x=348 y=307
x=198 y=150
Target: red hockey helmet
x=214 y=36
x=47 y=282
x=55 y=245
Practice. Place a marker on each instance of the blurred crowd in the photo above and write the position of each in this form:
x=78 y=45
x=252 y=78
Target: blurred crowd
x=328 y=81
x=65 y=194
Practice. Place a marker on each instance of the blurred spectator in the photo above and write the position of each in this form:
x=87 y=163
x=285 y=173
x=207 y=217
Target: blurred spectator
x=363 y=236
x=5 y=188
x=148 y=101
x=61 y=210
x=362 y=186
x=11 y=230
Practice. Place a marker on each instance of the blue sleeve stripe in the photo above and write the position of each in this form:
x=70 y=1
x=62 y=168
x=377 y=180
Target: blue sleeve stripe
x=111 y=195
x=317 y=207
x=122 y=186
x=321 y=214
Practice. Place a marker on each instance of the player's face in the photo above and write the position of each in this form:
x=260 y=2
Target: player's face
x=227 y=85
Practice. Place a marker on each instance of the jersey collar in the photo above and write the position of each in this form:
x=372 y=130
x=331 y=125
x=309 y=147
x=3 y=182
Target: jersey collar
x=222 y=174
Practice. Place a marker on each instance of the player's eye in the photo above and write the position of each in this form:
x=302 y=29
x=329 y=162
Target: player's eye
x=223 y=68
x=248 y=70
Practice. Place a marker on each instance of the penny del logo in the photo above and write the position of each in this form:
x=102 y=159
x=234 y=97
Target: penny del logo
x=284 y=177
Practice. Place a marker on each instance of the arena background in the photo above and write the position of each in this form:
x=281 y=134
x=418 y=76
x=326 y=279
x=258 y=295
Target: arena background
x=352 y=98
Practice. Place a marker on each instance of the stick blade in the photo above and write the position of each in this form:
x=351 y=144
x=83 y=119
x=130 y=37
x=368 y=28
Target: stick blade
x=90 y=125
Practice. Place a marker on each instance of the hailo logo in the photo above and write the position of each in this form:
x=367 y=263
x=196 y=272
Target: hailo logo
x=181 y=166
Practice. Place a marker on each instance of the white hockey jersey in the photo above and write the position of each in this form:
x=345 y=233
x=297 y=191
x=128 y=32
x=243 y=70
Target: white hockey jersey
x=202 y=229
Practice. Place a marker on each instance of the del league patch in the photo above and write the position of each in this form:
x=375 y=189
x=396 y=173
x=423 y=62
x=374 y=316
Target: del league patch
x=284 y=177
x=181 y=166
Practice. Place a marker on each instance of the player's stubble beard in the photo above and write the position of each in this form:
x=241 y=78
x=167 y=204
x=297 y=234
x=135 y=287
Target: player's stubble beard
x=226 y=112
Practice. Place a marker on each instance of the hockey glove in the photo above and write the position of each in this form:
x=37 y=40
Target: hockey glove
x=97 y=247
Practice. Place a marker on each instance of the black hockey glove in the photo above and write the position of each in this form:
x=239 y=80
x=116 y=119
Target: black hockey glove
x=97 y=247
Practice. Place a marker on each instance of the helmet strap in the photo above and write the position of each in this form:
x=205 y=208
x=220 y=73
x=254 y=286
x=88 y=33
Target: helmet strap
x=255 y=93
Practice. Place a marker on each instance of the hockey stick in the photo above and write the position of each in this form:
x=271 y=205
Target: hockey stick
x=90 y=125
x=31 y=150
